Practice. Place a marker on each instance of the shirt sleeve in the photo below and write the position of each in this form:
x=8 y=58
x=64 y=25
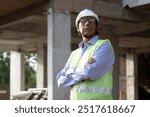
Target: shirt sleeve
x=62 y=79
x=104 y=59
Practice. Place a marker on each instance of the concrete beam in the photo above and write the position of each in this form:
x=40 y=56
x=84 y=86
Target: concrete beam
x=12 y=42
x=15 y=45
x=29 y=47
x=8 y=47
x=26 y=40
x=135 y=3
x=128 y=28
x=37 y=8
x=142 y=50
x=103 y=9
x=123 y=51
x=133 y=42
x=16 y=35
x=32 y=24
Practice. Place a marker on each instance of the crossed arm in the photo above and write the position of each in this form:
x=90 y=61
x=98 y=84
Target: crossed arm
x=101 y=61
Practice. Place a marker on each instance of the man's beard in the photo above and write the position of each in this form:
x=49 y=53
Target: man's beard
x=88 y=36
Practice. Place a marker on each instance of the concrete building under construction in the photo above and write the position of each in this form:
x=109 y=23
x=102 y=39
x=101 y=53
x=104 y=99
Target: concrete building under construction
x=47 y=27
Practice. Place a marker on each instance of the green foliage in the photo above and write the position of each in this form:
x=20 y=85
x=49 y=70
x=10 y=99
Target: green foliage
x=4 y=70
x=30 y=73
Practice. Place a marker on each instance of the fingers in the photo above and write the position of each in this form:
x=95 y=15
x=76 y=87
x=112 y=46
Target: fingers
x=91 y=60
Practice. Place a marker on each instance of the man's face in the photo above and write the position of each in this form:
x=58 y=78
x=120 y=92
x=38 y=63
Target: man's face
x=87 y=27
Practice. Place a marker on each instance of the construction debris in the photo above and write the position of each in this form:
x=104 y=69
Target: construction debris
x=31 y=94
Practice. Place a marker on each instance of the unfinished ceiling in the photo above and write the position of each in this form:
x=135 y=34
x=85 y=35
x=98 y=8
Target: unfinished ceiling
x=24 y=21
x=9 y=6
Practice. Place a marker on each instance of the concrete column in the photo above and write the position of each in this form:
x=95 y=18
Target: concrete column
x=17 y=72
x=45 y=65
x=40 y=67
x=115 y=91
x=136 y=76
x=130 y=76
x=59 y=47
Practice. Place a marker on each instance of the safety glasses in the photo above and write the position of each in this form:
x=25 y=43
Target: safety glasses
x=90 y=20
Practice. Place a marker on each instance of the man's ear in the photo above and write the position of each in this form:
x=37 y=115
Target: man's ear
x=78 y=29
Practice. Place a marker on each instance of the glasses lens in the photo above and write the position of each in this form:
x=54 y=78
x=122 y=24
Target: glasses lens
x=91 y=20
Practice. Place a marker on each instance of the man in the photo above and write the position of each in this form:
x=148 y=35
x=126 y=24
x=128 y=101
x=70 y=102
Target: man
x=89 y=68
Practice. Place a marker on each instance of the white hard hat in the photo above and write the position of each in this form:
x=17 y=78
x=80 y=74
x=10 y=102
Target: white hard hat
x=84 y=13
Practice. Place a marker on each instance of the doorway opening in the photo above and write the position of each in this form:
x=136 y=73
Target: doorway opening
x=144 y=76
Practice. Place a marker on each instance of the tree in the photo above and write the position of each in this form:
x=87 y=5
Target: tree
x=4 y=70
x=30 y=72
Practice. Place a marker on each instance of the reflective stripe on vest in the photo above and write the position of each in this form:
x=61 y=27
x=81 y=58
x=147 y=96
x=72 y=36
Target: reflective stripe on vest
x=89 y=89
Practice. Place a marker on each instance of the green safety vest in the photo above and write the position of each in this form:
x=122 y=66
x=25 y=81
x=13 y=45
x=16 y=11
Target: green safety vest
x=99 y=89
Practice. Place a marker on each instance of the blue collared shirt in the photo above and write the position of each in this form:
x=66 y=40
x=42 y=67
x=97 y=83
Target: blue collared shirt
x=104 y=59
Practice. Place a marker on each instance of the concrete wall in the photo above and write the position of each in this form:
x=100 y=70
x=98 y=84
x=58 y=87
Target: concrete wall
x=115 y=91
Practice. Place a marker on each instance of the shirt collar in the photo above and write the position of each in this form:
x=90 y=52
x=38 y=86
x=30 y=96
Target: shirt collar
x=92 y=41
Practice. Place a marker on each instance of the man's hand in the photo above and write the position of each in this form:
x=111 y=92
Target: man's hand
x=90 y=61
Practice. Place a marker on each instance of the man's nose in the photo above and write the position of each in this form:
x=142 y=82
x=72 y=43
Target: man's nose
x=87 y=22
